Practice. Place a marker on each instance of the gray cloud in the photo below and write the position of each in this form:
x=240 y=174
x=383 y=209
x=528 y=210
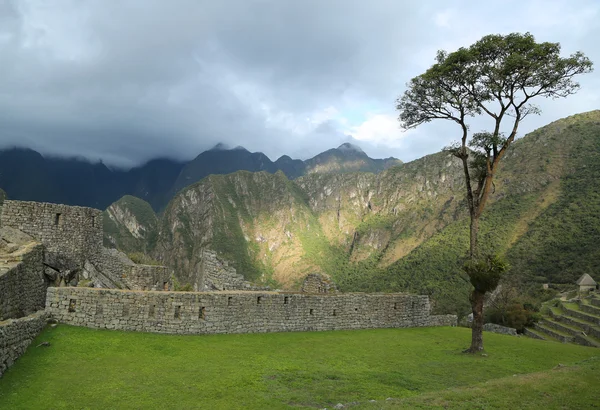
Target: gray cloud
x=129 y=80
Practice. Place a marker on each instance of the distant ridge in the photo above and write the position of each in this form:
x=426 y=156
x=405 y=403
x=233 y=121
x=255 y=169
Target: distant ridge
x=27 y=175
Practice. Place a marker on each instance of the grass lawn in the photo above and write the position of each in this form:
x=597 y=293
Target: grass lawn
x=421 y=367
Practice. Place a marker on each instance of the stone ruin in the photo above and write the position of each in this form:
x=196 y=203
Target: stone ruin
x=214 y=273
x=318 y=283
x=53 y=265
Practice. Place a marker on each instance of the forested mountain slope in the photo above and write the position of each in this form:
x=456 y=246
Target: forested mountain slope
x=403 y=229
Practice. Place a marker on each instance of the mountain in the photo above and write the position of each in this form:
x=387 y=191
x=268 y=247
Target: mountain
x=347 y=158
x=27 y=175
x=406 y=228
x=220 y=160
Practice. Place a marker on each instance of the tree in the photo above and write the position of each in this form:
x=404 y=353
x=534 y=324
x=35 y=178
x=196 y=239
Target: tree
x=497 y=77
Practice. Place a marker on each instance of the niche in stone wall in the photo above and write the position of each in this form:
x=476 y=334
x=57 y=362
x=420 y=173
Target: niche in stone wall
x=177 y=314
x=311 y=311
x=334 y=312
x=58 y=219
x=151 y=310
x=286 y=300
x=229 y=300
x=72 y=305
x=258 y=300
x=202 y=313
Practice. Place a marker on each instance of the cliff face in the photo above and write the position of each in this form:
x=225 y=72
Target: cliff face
x=131 y=225
x=402 y=229
x=256 y=220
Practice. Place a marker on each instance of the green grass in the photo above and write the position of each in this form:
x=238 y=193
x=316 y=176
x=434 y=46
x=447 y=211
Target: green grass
x=85 y=368
x=550 y=389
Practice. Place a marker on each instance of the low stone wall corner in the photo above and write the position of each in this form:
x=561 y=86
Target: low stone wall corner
x=17 y=334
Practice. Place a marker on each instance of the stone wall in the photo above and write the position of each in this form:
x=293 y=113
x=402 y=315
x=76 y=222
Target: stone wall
x=318 y=283
x=149 y=277
x=16 y=335
x=443 y=320
x=23 y=286
x=215 y=273
x=72 y=232
x=503 y=330
x=235 y=312
x=74 y=252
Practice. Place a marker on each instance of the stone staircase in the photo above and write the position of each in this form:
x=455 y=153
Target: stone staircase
x=570 y=322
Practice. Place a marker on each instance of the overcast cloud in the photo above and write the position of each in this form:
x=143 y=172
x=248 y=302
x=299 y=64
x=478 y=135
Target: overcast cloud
x=126 y=81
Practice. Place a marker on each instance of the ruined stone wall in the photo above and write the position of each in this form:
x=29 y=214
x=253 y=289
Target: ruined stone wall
x=72 y=236
x=17 y=335
x=72 y=232
x=113 y=269
x=23 y=287
x=149 y=277
x=216 y=274
x=234 y=312
x=318 y=283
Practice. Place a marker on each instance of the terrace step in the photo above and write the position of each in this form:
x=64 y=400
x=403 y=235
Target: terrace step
x=572 y=309
x=561 y=337
x=533 y=334
x=561 y=328
x=586 y=327
x=587 y=341
x=595 y=301
x=587 y=307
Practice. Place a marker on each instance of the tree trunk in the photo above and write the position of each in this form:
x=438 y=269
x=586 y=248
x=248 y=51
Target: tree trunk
x=473 y=238
x=477 y=326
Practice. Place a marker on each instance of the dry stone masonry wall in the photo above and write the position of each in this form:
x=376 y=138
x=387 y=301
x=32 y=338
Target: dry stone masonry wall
x=17 y=335
x=72 y=231
x=318 y=283
x=72 y=236
x=236 y=312
x=148 y=277
x=23 y=287
x=216 y=274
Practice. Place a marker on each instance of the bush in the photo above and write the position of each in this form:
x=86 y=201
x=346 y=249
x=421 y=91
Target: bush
x=143 y=259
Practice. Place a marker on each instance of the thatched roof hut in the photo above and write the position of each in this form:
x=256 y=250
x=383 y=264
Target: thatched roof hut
x=586 y=282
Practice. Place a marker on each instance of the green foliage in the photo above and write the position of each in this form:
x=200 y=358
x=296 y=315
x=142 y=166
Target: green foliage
x=509 y=70
x=143 y=259
x=178 y=287
x=516 y=315
x=112 y=369
x=485 y=272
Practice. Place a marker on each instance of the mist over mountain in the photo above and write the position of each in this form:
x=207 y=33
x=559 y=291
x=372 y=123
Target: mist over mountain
x=27 y=175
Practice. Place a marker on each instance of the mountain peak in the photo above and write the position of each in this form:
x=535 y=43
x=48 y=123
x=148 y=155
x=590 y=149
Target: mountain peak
x=219 y=147
x=346 y=146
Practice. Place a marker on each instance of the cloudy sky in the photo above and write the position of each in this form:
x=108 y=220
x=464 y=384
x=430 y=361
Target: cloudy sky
x=128 y=80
